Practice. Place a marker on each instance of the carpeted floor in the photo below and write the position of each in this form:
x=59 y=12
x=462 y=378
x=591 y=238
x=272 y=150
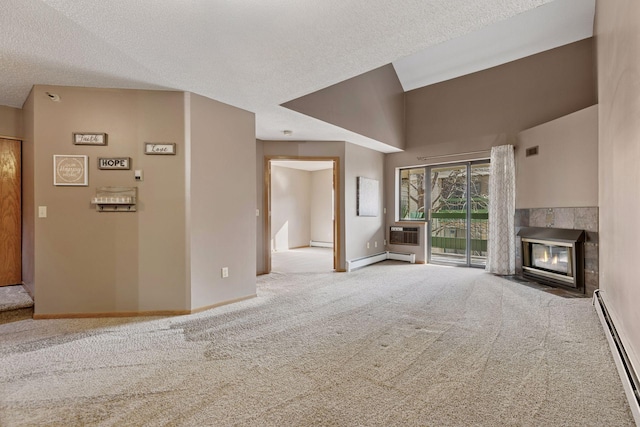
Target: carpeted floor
x=303 y=260
x=388 y=345
x=14 y=297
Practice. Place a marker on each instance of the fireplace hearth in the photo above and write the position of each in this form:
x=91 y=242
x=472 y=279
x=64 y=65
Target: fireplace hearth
x=554 y=256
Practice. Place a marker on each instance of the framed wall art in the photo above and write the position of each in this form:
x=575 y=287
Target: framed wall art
x=90 y=138
x=70 y=170
x=367 y=198
x=161 y=148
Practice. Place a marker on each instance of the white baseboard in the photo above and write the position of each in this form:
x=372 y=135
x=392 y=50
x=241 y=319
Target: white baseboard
x=399 y=256
x=317 y=244
x=382 y=256
x=625 y=369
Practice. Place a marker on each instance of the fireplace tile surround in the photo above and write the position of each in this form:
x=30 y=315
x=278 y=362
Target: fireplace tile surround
x=571 y=218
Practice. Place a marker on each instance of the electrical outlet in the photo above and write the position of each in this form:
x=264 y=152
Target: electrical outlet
x=225 y=272
x=368 y=245
x=384 y=211
x=257 y=212
x=375 y=244
x=384 y=242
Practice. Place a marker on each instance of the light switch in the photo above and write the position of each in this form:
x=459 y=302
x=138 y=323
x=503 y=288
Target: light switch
x=257 y=212
x=42 y=211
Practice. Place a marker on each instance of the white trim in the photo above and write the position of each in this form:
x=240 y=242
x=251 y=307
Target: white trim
x=622 y=370
x=382 y=256
x=316 y=244
x=399 y=256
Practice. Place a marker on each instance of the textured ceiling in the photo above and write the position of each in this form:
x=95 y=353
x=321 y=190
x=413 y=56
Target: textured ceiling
x=253 y=54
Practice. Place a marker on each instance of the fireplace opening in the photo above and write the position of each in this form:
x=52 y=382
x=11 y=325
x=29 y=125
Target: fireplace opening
x=553 y=256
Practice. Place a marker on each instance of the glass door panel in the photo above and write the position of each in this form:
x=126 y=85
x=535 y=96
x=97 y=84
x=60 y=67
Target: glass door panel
x=479 y=202
x=448 y=230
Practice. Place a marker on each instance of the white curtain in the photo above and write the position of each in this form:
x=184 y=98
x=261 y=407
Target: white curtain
x=501 y=247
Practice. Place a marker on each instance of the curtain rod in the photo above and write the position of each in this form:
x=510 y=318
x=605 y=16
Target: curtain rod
x=468 y=153
x=453 y=155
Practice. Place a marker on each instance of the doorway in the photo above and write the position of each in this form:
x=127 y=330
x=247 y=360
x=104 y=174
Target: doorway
x=301 y=213
x=457 y=201
x=452 y=200
x=10 y=212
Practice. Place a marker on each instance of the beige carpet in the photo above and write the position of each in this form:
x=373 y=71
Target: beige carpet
x=14 y=297
x=392 y=344
x=303 y=260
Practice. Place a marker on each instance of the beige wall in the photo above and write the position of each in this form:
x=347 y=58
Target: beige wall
x=461 y=119
x=221 y=201
x=90 y=262
x=371 y=104
x=565 y=172
x=28 y=195
x=361 y=230
x=290 y=208
x=504 y=99
x=192 y=211
x=11 y=122
x=260 y=217
x=618 y=42
x=322 y=205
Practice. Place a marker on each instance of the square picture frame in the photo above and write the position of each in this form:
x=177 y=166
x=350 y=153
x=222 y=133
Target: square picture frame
x=70 y=170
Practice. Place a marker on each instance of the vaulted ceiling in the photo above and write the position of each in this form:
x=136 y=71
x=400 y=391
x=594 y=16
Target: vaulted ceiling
x=258 y=54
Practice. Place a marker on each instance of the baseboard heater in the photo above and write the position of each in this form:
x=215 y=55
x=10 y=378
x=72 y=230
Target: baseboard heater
x=628 y=375
x=314 y=243
x=382 y=256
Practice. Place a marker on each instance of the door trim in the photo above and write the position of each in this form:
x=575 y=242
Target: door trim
x=468 y=164
x=266 y=208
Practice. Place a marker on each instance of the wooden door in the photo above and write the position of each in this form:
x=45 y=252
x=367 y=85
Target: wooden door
x=10 y=213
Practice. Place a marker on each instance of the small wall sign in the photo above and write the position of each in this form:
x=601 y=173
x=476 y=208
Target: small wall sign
x=70 y=170
x=89 y=138
x=159 y=148
x=110 y=163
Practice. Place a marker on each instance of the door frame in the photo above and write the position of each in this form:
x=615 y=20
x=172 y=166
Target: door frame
x=267 y=206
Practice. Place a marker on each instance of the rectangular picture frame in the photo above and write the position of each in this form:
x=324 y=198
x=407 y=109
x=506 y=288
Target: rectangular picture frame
x=114 y=163
x=70 y=170
x=160 y=148
x=367 y=197
x=90 y=138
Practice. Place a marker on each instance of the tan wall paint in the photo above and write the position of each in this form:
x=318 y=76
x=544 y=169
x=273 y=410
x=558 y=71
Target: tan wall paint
x=28 y=197
x=11 y=122
x=290 y=208
x=461 y=119
x=565 y=172
x=295 y=149
x=221 y=201
x=371 y=104
x=92 y=262
x=322 y=205
x=260 y=234
x=367 y=163
x=504 y=99
x=618 y=42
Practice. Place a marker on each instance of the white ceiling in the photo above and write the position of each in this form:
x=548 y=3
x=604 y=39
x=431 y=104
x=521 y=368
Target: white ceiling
x=258 y=54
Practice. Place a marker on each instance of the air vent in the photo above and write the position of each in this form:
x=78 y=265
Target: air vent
x=533 y=151
x=404 y=236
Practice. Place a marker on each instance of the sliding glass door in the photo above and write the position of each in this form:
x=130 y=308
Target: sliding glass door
x=458 y=202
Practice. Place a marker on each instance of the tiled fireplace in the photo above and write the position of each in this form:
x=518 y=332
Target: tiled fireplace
x=562 y=218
